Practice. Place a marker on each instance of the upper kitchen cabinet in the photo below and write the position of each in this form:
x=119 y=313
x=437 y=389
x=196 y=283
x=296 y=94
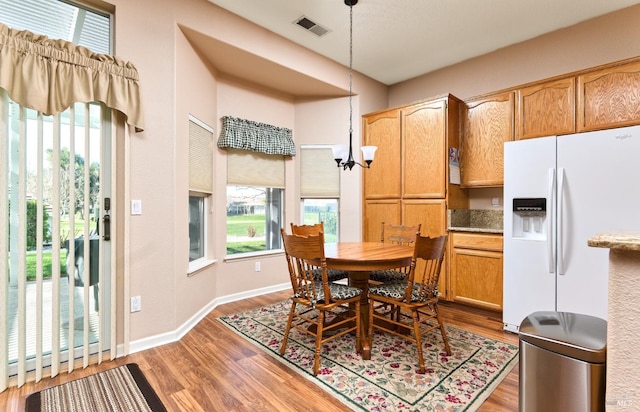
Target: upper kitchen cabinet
x=382 y=129
x=546 y=109
x=424 y=150
x=487 y=124
x=609 y=97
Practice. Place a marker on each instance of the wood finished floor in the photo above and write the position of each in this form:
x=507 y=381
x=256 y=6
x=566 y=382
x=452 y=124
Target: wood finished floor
x=213 y=369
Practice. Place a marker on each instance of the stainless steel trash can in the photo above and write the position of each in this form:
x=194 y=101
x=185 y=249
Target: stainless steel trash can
x=562 y=362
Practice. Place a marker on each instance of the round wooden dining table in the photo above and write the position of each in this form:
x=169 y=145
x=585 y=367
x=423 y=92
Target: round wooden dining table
x=359 y=259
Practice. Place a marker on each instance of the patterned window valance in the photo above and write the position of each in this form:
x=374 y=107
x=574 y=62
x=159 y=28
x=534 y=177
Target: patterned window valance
x=258 y=137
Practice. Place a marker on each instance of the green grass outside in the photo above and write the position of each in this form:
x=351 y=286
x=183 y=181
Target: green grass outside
x=46 y=264
x=241 y=226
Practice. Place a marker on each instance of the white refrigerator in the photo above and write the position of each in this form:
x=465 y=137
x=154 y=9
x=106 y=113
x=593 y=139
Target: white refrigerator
x=565 y=190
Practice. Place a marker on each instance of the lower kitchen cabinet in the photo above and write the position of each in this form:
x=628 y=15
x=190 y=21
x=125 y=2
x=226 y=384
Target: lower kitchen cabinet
x=475 y=271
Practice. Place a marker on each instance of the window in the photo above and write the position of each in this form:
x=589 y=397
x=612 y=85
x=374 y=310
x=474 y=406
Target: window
x=56 y=19
x=200 y=189
x=255 y=196
x=320 y=189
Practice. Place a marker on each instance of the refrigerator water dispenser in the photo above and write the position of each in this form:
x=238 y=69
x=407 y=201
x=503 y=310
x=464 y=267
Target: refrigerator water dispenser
x=529 y=218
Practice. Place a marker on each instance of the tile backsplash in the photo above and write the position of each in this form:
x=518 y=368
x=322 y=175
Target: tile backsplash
x=476 y=218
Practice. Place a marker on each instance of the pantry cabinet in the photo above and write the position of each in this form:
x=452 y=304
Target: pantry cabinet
x=415 y=140
x=424 y=150
x=382 y=129
x=376 y=212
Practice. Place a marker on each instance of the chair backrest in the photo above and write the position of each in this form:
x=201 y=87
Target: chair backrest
x=403 y=235
x=305 y=255
x=306 y=230
x=428 y=255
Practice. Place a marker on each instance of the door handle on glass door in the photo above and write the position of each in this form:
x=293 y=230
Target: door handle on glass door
x=107 y=228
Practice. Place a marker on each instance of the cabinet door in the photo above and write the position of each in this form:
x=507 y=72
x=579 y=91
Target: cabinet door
x=488 y=123
x=424 y=150
x=609 y=98
x=432 y=215
x=476 y=278
x=377 y=211
x=382 y=180
x=546 y=109
x=476 y=270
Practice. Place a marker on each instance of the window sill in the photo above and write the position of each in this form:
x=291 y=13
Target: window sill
x=200 y=264
x=243 y=256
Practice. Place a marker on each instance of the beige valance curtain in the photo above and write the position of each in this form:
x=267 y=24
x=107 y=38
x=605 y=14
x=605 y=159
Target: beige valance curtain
x=50 y=75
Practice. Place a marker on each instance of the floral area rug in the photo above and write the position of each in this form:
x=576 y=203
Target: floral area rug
x=391 y=380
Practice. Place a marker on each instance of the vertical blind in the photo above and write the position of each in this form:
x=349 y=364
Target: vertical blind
x=46 y=322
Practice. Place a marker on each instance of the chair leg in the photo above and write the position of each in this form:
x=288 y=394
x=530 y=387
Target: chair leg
x=416 y=332
x=370 y=331
x=285 y=338
x=358 y=331
x=319 y=330
x=447 y=348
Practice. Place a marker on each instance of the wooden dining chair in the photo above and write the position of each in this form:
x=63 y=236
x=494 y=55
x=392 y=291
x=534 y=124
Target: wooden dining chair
x=305 y=255
x=411 y=305
x=399 y=234
x=306 y=230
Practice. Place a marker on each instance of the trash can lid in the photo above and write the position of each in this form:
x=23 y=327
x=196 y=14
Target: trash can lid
x=575 y=335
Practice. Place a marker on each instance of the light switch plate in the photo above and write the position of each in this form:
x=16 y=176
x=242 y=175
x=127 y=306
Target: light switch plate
x=136 y=207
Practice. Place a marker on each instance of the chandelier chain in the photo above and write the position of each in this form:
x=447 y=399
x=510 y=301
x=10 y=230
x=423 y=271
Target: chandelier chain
x=350 y=69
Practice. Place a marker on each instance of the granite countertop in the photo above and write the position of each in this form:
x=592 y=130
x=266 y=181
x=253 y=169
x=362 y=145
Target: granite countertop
x=475 y=220
x=617 y=240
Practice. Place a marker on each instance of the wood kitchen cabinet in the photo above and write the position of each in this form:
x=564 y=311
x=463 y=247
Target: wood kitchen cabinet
x=431 y=214
x=376 y=212
x=475 y=269
x=546 y=109
x=609 y=97
x=487 y=124
x=424 y=150
x=382 y=180
x=412 y=177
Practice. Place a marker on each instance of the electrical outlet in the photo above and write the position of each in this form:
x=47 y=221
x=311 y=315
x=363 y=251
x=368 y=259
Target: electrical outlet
x=136 y=304
x=257 y=266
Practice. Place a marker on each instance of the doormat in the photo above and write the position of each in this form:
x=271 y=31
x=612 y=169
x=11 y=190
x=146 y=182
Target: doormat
x=122 y=389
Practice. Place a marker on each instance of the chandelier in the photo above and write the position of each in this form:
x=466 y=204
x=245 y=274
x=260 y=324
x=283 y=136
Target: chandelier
x=341 y=152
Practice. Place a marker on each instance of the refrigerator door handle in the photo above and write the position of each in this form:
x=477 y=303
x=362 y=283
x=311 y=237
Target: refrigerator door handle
x=560 y=195
x=551 y=258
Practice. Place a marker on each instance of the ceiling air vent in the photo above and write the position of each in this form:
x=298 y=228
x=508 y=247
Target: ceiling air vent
x=311 y=26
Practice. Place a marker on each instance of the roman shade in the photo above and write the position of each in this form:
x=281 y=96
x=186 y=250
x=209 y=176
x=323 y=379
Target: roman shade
x=319 y=176
x=200 y=156
x=245 y=168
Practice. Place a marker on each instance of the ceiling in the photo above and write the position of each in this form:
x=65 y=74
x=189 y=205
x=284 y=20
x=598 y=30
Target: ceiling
x=395 y=40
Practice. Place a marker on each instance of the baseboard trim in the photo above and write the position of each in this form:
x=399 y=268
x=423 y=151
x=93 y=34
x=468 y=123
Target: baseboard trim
x=177 y=334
